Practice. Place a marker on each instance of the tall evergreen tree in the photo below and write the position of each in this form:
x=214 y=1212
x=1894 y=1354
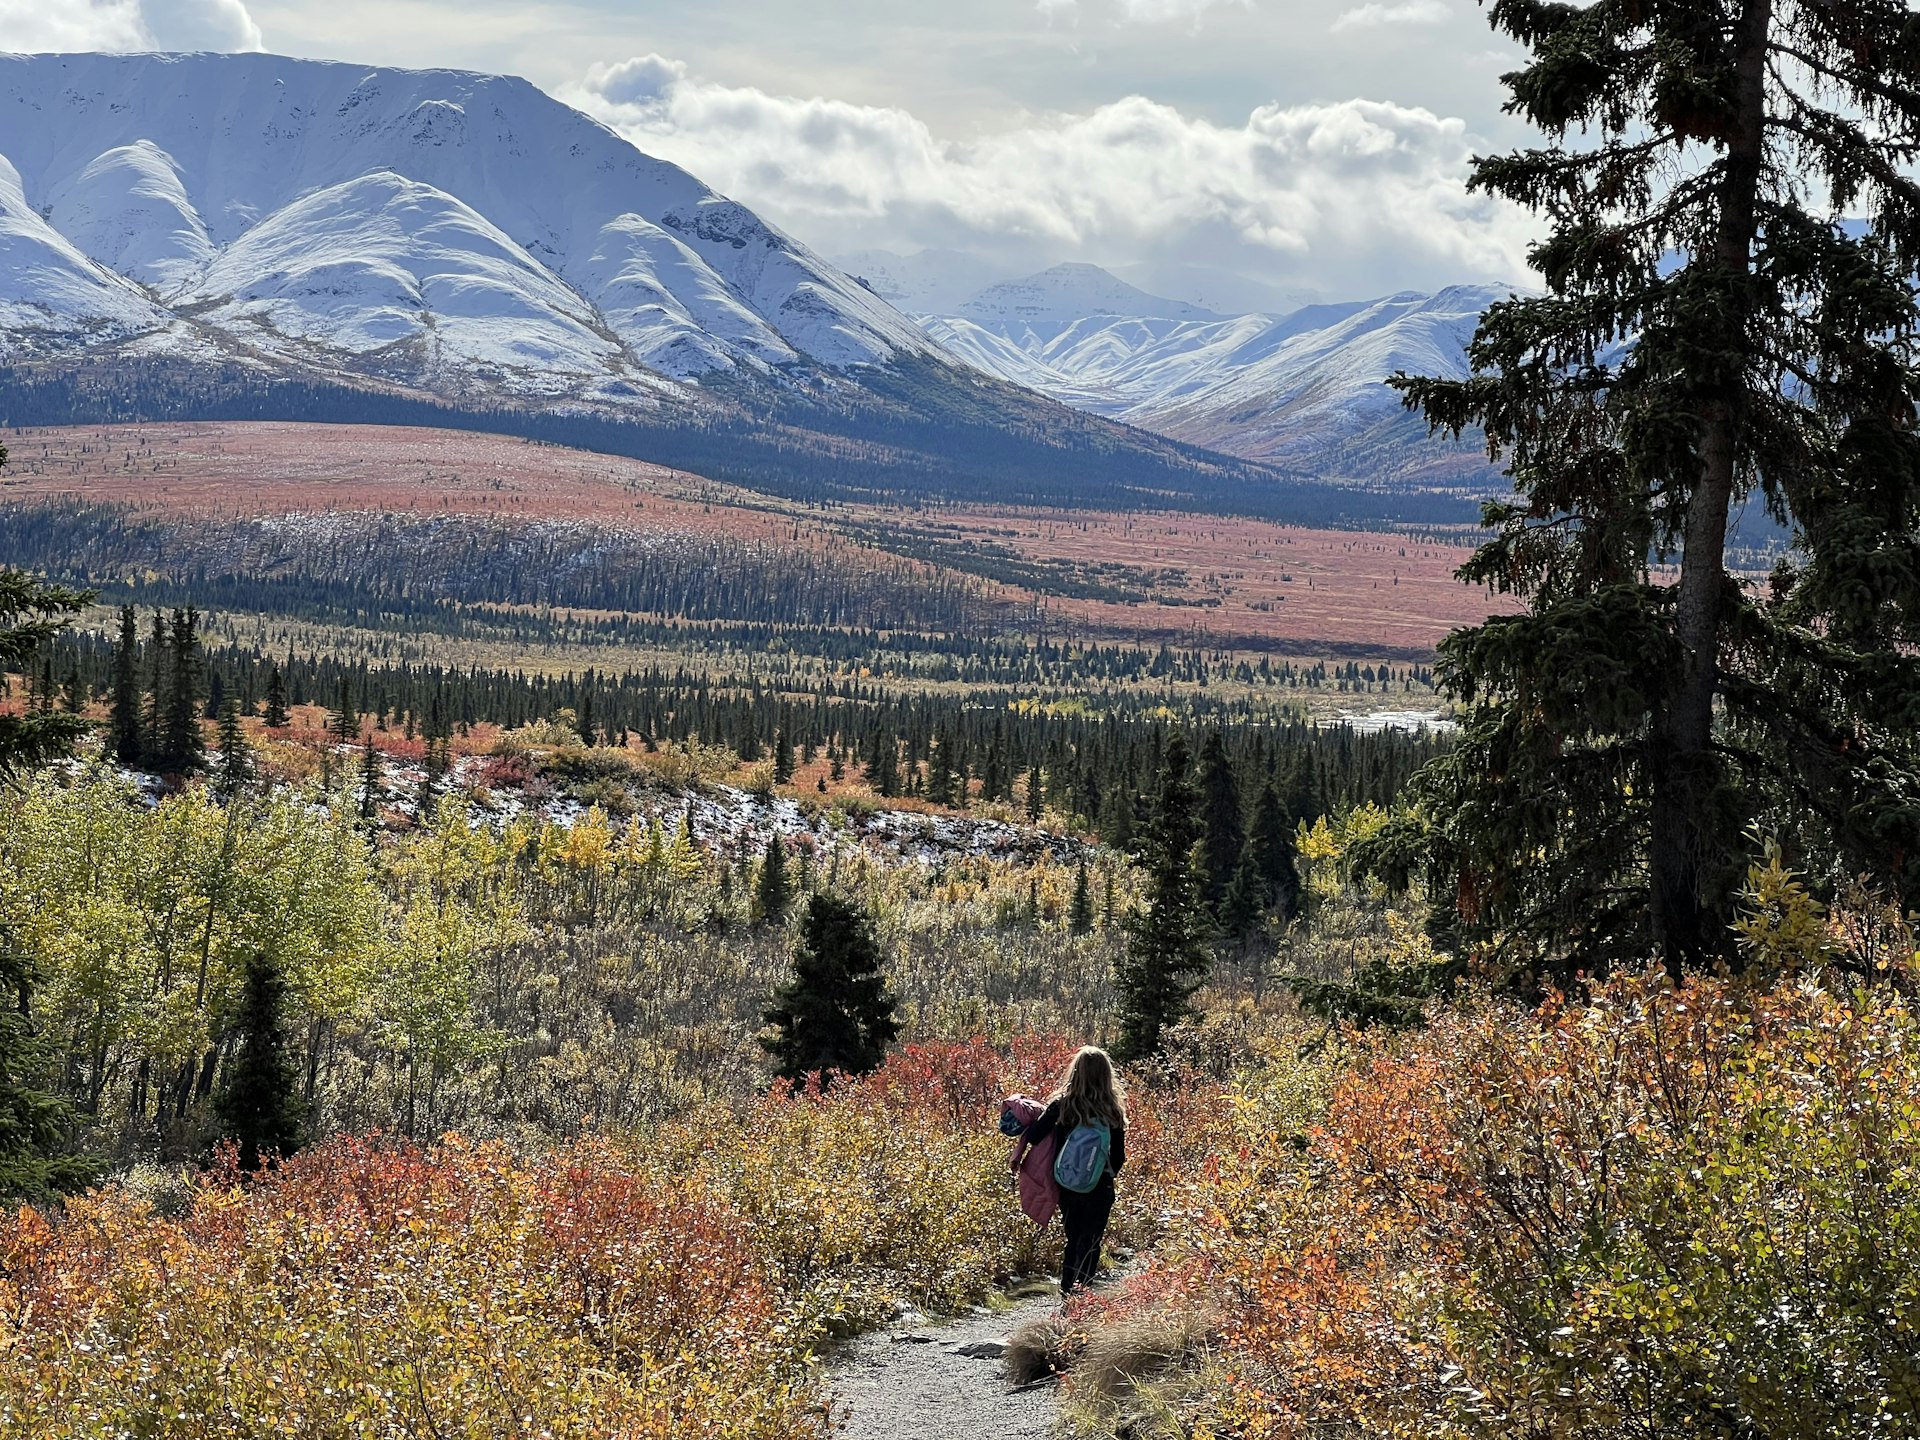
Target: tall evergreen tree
x=180 y=746
x=159 y=673
x=124 y=714
x=236 y=755
x=940 y=777
x=1080 y=912
x=1036 y=796
x=35 y=1124
x=773 y=888
x=1271 y=861
x=1167 y=955
x=276 y=714
x=369 y=781
x=883 y=767
x=31 y=614
x=259 y=1105
x=836 y=1012
x=1713 y=330
x=783 y=762
x=1223 y=831
x=343 y=721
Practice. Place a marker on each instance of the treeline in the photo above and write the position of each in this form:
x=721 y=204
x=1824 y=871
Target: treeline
x=943 y=746
x=473 y=579
x=914 y=430
x=352 y=568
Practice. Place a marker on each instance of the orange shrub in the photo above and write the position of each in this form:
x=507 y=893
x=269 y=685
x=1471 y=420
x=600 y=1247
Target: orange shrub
x=375 y=1290
x=1672 y=1210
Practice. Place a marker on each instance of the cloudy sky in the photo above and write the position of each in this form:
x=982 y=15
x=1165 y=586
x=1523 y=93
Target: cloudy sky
x=1231 y=149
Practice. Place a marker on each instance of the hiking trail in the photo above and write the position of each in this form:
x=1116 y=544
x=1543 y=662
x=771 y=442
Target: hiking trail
x=942 y=1378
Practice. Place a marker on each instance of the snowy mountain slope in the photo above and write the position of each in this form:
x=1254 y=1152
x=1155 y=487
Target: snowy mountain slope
x=305 y=207
x=1303 y=389
x=250 y=236
x=52 y=291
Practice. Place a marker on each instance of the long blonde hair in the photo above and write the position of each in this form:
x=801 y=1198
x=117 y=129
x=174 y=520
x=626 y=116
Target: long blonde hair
x=1090 y=1091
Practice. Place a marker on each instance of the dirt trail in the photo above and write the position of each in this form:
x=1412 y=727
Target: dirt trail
x=914 y=1381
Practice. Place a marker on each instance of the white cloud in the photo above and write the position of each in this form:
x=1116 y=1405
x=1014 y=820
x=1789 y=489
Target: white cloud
x=1144 y=11
x=201 y=25
x=66 y=25
x=1374 y=16
x=1351 y=198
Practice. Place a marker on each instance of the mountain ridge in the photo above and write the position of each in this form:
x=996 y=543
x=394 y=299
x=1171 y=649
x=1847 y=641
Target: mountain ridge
x=252 y=237
x=1305 y=389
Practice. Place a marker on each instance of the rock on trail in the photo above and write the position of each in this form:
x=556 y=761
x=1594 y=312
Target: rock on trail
x=942 y=1381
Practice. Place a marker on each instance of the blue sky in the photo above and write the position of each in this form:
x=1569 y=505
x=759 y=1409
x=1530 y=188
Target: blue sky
x=1312 y=147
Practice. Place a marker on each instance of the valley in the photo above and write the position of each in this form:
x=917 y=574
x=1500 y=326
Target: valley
x=1070 y=575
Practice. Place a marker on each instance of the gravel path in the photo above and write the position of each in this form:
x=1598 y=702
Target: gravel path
x=914 y=1382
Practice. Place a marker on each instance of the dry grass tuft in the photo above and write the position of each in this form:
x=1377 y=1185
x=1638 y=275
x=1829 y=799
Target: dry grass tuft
x=1039 y=1349
x=1134 y=1375
x=1148 y=1348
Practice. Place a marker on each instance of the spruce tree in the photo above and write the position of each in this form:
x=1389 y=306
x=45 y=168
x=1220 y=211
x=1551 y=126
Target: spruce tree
x=1167 y=955
x=883 y=768
x=276 y=715
x=343 y=721
x=259 y=1105
x=1223 y=833
x=1271 y=860
x=836 y=1013
x=1243 y=907
x=783 y=763
x=434 y=766
x=773 y=890
x=124 y=715
x=236 y=755
x=1036 y=796
x=370 y=793
x=31 y=614
x=181 y=745
x=940 y=779
x=1080 y=912
x=159 y=671
x=35 y=1124
x=1715 y=331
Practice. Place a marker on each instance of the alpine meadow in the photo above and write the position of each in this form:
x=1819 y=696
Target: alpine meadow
x=1040 y=760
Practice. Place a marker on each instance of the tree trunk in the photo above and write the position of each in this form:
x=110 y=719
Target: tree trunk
x=1683 y=836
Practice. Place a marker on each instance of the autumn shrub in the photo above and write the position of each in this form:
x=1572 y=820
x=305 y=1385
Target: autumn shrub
x=896 y=1185
x=385 y=1290
x=1670 y=1210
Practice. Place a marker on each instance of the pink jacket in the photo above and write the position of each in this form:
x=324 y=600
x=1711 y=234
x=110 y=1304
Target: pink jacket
x=1033 y=1164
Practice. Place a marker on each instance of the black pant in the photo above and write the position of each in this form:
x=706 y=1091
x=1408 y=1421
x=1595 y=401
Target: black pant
x=1085 y=1220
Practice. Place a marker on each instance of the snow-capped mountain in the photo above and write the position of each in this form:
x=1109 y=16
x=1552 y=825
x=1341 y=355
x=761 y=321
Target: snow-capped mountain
x=1304 y=389
x=255 y=237
x=437 y=227
x=250 y=236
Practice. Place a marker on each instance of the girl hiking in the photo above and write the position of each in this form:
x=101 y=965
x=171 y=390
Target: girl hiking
x=1087 y=1116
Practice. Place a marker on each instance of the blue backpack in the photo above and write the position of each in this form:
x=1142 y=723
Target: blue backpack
x=1083 y=1158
